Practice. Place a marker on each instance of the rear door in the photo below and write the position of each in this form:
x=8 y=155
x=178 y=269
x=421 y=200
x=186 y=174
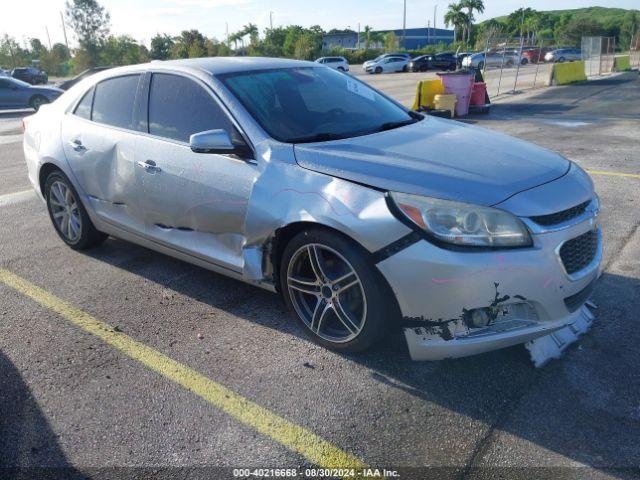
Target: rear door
x=193 y=202
x=99 y=139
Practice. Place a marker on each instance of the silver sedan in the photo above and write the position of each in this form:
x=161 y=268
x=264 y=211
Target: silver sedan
x=364 y=216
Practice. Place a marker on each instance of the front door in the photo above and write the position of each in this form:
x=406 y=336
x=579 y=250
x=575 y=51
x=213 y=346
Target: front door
x=193 y=202
x=99 y=141
x=12 y=94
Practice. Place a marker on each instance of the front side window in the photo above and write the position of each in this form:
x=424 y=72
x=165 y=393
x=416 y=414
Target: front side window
x=179 y=107
x=113 y=101
x=310 y=104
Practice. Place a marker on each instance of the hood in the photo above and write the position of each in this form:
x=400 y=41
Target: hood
x=437 y=158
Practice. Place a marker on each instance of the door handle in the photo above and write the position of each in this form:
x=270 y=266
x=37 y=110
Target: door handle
x=77 y=145
x=149 y=166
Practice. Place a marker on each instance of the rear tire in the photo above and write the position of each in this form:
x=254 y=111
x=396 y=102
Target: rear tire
x=334 y=292
x=68 y=215
x=481 y=66
x=37 y=101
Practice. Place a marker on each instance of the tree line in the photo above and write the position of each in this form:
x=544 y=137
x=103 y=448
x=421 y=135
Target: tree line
x=90 y=22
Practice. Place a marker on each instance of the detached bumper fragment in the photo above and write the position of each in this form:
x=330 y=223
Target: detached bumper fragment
x=551 y=346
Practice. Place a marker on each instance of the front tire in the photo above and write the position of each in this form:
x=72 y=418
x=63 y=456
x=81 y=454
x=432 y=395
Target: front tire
x=68 y=215
x=334 y=292
x=378 y=70
x=481 y=66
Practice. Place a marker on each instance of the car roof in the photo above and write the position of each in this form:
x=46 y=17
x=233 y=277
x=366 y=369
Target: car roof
x=219 y=65
x=207 y=65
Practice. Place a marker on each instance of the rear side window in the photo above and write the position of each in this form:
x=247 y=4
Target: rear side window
x=179 y=107
x=83 y=109
x=113 y=101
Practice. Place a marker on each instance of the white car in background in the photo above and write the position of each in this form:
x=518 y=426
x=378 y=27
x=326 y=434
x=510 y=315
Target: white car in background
x=337 y=63
x=564 y=55
x=492 y=58
x=396 y=63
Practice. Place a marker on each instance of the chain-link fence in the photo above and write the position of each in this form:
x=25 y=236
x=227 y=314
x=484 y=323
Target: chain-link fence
x=634 y=51
x=510 y=65
x=598 y=54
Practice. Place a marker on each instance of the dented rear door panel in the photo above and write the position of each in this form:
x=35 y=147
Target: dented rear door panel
x=103 y=163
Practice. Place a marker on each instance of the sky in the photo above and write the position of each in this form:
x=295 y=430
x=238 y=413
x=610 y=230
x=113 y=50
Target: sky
x=142 y=19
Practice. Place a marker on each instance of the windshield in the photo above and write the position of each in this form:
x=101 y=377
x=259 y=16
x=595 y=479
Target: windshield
x=308 y=104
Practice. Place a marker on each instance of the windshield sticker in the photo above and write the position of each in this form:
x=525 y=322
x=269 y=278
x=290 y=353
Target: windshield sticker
x=360 y=89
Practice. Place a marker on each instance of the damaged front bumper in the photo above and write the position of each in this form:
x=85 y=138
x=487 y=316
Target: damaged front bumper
x=523 y=294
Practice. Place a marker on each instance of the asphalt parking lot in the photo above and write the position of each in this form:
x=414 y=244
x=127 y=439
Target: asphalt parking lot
x=402 y=85
x=194 y=371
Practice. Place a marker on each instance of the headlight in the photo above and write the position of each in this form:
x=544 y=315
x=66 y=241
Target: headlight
x=463 y=224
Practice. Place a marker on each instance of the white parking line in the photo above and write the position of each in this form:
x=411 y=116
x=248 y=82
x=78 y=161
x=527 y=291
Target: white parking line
x=5 y=139
x=16 y=197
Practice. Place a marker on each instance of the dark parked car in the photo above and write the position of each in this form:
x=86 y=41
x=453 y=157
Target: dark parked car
x=31 y=75
x=439 y=61
x=15 y=93
x=67 y=84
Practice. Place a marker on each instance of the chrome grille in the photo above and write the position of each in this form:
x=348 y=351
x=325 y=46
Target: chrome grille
x=579 y=252
x=561 y=217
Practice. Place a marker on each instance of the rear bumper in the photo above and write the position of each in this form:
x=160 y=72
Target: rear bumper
x=527 y=291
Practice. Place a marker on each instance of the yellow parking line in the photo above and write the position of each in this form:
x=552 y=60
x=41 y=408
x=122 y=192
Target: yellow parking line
x=292 y=436
x=613 y=174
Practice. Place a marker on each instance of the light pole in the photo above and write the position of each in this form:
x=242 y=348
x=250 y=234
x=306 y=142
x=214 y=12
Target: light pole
x=435 y=11
x=271 y=20
x=64 y=31
x=404 y=23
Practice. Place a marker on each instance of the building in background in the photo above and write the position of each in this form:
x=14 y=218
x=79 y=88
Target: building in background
x=348 y=40
x=414 y=38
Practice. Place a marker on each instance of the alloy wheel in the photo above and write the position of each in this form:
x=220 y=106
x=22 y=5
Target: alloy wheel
x=327 y=293
x=65 y=211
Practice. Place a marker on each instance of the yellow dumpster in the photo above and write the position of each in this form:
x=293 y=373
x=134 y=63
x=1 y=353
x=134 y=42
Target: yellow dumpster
x=425 y=93
x=445 y=102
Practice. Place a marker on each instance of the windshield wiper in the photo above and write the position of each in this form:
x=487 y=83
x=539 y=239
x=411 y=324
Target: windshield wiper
x=392 y=125
x=316 y=137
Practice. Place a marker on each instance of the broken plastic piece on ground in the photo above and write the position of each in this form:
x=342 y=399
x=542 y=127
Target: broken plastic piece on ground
x=551 y=346
x=200 y=336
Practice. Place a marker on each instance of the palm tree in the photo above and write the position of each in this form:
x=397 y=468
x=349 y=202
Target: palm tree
x=456 y=17
x=376 y=38
x=471 y=5
x=367 y=36
x=251 y=29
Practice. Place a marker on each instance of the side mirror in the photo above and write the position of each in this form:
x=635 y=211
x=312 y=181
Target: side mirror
x=212 y=141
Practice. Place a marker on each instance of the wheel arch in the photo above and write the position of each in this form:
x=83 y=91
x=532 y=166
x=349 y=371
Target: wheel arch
x=46 y=169
x=283 y=235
